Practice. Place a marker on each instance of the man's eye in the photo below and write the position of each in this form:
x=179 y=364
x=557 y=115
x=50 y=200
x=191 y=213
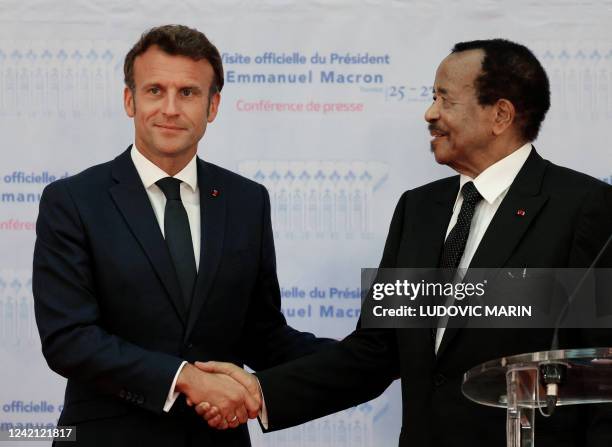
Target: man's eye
x=187 y=92
x=434 y=97
x=154 y=90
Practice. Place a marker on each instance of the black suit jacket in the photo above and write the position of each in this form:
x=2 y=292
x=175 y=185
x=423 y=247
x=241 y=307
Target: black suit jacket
x=568 y=217
x=109 y=308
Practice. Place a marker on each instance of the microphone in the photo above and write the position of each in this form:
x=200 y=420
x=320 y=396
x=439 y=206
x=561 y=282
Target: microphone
x=552 y=375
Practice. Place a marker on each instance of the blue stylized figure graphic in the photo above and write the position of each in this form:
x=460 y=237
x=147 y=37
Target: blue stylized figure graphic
x=107 y=56
x=259 y=176
x=24 y=312
x=283 y=210
x=334 y=177
x=16 y=55
x=16 y=285
x=77 y=56
x=327 y=217
x=9 y=318
x=365 y=176
x=274 y=176
x=297 y=205
x=92 y=56
x=342 y=211
x=313 y=211
x=366 y=408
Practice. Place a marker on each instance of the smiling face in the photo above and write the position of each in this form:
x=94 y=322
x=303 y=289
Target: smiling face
x=461 y=128
x=170 y=106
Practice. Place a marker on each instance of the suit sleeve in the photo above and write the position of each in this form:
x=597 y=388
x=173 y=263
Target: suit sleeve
x=67 y=311
x=268 y=339
x=355 y=370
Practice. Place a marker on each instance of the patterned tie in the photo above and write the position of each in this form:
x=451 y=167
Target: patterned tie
x=178 y=236
x=457 y=238
x=455 y=242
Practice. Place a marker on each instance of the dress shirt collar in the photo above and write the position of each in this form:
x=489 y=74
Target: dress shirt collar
x=150 y=173
x=498 y=177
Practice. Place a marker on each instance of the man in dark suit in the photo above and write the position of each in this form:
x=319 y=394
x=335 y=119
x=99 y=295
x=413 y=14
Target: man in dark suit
x=508 y=207
x=157 y=259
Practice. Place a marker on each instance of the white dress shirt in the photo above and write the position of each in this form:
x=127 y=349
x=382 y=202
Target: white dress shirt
x=492 y=184
x=190 y=195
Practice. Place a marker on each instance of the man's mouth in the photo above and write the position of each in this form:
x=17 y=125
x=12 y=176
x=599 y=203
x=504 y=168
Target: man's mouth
x=436 y=134
x=169 y=127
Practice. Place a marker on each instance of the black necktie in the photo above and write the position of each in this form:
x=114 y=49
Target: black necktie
x=178 y=236
x=457 y=238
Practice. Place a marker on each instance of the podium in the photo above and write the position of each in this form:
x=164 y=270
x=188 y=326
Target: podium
x=515 y=383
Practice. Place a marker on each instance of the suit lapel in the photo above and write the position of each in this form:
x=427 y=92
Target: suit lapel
x=212 y=221
x=516 y=213
x=132 y=201
x=431 y=221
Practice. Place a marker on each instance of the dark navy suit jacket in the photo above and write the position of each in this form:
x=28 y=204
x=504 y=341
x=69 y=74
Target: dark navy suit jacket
x=109 y=308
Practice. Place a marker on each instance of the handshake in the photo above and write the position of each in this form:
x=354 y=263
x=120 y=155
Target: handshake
x=222 y=393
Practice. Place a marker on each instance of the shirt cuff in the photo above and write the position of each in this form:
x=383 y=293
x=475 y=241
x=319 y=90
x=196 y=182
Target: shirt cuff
x=263 y=413
x=172 y=395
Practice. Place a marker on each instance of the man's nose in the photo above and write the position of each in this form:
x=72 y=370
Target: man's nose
x=170 y=105
x=432 y=113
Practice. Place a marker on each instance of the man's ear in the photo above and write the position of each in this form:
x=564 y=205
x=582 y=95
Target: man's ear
x=213 y=107
x=128 y=102
x=504 y=117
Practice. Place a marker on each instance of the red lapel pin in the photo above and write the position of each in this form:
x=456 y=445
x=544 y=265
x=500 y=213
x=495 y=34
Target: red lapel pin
x=214 y=192
x=520 y=213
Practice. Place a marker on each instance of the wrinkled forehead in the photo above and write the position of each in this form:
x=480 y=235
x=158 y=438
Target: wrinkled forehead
x=458 y=71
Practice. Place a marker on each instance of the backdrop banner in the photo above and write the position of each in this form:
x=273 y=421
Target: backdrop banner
x=323 y=104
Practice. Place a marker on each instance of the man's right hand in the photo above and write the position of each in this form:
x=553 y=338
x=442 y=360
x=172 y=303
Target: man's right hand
x=235 y=404
x=208 y=410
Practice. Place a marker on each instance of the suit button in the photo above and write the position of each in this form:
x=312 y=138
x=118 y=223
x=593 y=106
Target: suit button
x=439 y=380
x=190 y=345
x=122 y=394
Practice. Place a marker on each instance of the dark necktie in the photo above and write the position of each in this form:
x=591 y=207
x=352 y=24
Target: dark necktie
x=178 y=236
x=457 y=238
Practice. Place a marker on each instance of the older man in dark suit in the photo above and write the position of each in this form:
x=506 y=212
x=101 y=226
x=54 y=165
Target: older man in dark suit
x=507 y=207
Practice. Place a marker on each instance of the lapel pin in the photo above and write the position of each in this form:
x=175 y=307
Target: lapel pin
x=520 y=213
x=214 y=192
